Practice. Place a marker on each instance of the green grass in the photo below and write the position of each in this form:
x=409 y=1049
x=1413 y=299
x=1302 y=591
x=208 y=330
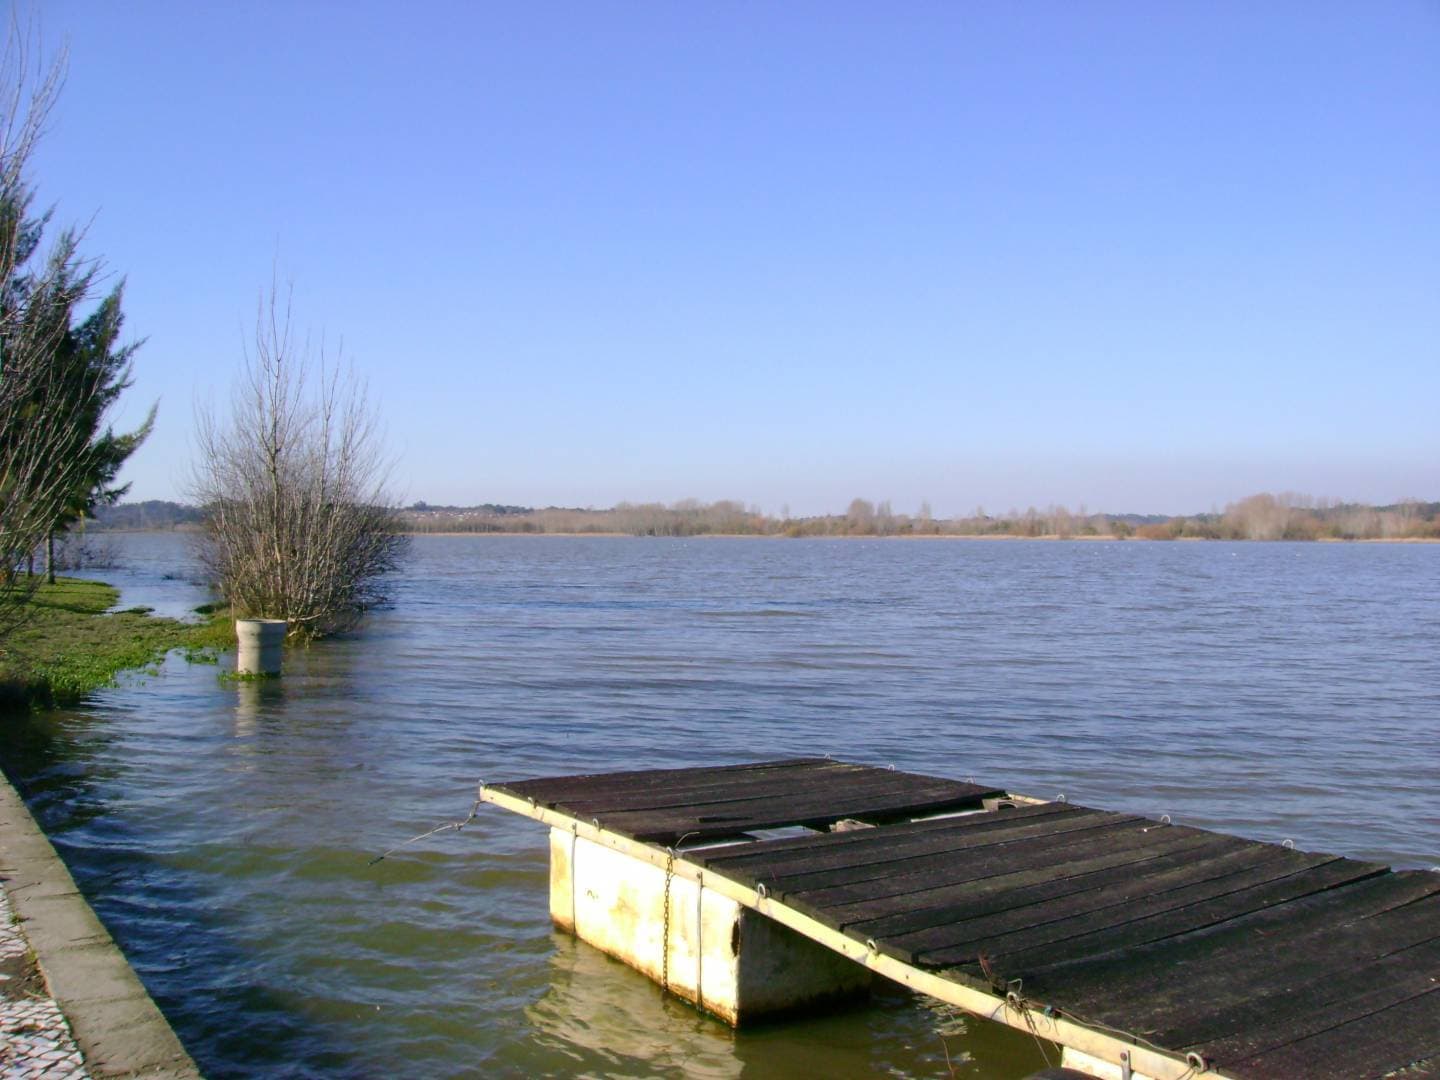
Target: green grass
x=68 y=646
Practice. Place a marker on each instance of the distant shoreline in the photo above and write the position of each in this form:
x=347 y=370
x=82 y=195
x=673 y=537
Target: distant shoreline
x=988 y=537
x=1257 y=517
x=1050 y=537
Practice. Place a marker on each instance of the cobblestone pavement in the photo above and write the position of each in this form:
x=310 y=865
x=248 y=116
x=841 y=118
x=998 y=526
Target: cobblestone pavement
x=35 y=1041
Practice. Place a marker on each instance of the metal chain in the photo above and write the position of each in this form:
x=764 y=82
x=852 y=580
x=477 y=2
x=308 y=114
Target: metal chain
x=665 y=931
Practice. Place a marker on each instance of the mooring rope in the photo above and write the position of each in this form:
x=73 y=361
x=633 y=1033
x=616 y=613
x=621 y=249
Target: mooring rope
x=1196 y=1063
x=449 y=825
x=1013 y=994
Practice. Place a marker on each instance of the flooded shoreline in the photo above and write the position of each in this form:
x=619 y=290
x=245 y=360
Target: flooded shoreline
x=223 y=832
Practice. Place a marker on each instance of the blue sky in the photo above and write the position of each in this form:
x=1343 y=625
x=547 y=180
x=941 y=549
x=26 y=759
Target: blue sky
x=1134 y=256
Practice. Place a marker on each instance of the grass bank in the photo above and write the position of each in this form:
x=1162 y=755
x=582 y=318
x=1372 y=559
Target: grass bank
x=68 y=645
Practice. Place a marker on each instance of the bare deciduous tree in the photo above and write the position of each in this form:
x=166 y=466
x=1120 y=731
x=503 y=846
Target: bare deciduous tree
x=299 y=524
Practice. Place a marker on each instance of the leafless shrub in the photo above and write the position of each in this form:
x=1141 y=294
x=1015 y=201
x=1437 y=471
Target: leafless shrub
x=299 y=524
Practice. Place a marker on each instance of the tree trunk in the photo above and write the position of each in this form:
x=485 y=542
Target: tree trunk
x=50 y=557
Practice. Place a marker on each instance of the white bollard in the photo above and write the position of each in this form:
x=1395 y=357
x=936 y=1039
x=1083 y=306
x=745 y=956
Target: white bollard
x=260 y=645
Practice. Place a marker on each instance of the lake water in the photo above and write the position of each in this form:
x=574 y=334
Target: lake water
x=222 y=830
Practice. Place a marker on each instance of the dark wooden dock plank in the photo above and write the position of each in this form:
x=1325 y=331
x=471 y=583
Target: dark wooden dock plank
x=908 y=935
x=751 y=783
x=547 y=789
x=1116 y=903
x=1238 y=1001
x=675 y=804
x=1155 y=919
x=1050 y=855
x=1082 y=837
x=943 y=851
x=1319 y=953
x=1346 y=988
x=817 y=860
x=1373 y=1045
x=956 y=901
x=815 y=810
x=854 y=843
x=722 y=780
x=1134 y=914
x=1136 y=971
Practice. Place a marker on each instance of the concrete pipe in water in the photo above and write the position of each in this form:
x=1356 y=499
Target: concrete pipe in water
x=260 y=645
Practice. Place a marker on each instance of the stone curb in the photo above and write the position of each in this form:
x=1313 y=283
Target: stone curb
x=116 y=1025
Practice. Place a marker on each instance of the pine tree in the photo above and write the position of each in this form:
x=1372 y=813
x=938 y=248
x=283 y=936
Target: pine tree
x=57 y=378
x=98 y=371
x=44 y=405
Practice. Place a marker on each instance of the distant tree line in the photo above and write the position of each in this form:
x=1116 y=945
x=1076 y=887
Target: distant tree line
x=686 y=518
x=1258 y=517
x=152 y=514
x=1289 y=516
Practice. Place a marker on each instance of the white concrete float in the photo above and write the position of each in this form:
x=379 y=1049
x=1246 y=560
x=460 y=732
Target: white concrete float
x=699 y=944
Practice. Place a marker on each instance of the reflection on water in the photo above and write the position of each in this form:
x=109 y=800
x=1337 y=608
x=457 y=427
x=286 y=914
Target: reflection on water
x=224 y=829
x=255 y=701
x=602 y=1017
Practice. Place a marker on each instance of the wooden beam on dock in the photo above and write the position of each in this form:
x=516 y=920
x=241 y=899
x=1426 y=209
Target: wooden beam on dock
x=1168 y=950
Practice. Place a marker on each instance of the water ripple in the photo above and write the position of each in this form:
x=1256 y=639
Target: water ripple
x=224 y=832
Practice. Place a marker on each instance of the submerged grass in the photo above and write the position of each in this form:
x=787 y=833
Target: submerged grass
x=68 y=645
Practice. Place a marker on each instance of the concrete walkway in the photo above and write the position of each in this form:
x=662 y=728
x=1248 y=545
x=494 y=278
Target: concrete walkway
x=113 y=1029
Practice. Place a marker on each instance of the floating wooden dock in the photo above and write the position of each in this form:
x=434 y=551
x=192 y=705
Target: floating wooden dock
x=1142 y=947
